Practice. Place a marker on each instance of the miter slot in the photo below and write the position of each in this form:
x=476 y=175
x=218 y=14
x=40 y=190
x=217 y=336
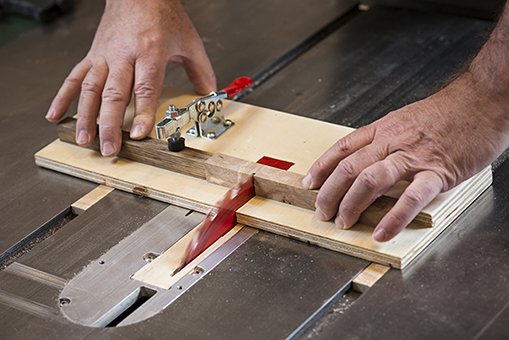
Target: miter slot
x=48 y=228
x=126 y=307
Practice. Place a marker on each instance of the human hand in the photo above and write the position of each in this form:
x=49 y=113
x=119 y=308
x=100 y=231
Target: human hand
x=435 y=144
x=133 y=44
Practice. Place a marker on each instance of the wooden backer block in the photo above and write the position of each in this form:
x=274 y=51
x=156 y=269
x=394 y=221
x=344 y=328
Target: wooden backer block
x=90 y=199
x=368 y=277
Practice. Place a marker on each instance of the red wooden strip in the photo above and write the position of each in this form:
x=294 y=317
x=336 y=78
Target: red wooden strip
x=275 y=163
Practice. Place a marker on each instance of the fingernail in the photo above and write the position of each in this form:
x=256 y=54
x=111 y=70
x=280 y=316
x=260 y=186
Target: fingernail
x=319 y=214
x=82 y=137
x=339 y=222
x=380 y=235
x=107 y=149
x=306 y=182
x=137 y=131
x=50 y=114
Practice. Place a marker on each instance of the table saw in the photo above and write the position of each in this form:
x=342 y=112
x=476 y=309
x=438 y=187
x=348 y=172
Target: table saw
x=365 y=61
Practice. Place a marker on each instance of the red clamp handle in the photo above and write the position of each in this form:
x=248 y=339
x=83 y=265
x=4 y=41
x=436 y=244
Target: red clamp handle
x=237 y=86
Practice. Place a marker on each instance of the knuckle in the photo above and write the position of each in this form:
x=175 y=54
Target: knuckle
x=113 y=95
x=343 y=146
x=72 y=80
x=347 y=169
x=145 y=89
x=86 y=119
x=347 y=210
x=398 y=222
x=90 y=88
x=323 y=202
x=318 y=169
x=152 y=41
x=369 y=180
x=414 y=197
x=107 y=131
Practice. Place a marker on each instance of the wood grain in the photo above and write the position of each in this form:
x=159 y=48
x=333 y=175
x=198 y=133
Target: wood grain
x=149 y=151
x=161 y=271
x=368 y=277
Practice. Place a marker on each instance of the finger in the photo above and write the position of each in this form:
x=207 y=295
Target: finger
x=90 y=102
x=199 y=70
x=115 y=97
x=323 y=167
x=423 y=189
x=338 y=183
x=148 y=82
x=68 y=91
x=371 y=183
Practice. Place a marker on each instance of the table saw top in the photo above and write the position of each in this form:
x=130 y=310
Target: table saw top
x=369 y=62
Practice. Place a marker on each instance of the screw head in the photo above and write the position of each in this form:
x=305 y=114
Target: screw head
x=64 y=301
x=198 y=270
x=211 y=135
x=149 y=257
x=219 y=105
x=200 y=106
x=212 y=108
x=228 y=123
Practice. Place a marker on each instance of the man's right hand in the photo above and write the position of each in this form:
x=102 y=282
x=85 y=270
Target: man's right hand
x=132 y=47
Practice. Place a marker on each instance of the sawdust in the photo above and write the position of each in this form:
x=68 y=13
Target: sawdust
x=336 y=311
x=32 y=243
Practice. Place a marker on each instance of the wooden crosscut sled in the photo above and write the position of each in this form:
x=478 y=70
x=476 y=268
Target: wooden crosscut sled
x=197 y=177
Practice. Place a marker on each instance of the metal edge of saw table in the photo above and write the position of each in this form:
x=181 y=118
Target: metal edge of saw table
x=103 y=292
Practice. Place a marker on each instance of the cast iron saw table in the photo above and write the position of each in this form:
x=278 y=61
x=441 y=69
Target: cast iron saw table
x=363 y=63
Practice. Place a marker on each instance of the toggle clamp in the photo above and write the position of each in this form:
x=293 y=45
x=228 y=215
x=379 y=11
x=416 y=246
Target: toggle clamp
x=209 y=123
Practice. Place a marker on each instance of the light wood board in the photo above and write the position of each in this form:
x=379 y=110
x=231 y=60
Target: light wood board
x=263 y=132
x=91 y=198
x=161 y=271
x=368 y=277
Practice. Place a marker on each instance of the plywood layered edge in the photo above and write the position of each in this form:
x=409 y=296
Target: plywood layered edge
x=301 y=224
x=139 y=179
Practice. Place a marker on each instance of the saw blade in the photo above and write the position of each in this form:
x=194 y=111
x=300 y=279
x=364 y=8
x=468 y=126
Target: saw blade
x=219 y=220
